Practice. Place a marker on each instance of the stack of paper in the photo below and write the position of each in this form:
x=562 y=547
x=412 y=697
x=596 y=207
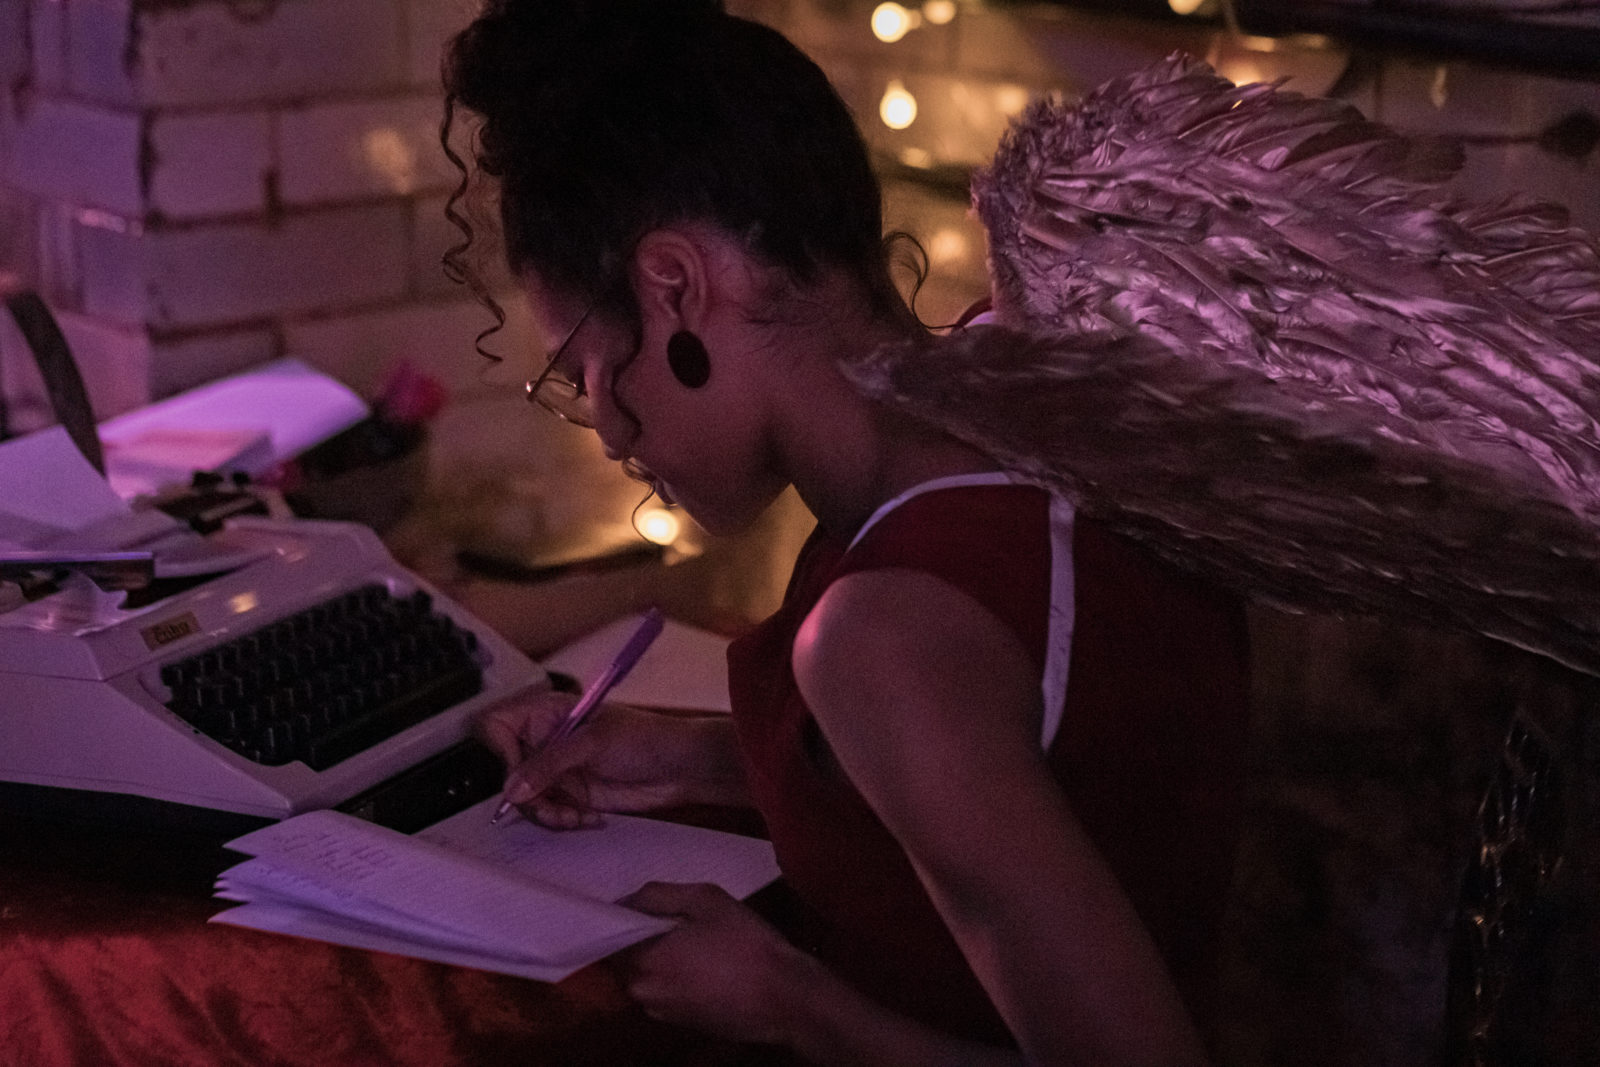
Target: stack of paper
x=514 y=898
x=47 y=489
x=151 y=459
x=52 y=500
x=250 y=422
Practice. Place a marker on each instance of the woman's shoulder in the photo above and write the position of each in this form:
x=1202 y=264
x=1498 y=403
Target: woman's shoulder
x=949 y=566
x=877 y=628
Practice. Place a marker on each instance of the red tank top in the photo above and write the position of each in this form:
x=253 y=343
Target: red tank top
x=1149 y=750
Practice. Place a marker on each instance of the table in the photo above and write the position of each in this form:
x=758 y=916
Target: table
x=106 y=958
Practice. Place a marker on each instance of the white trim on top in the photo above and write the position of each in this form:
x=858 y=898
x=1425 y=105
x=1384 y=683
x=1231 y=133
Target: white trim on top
x=1058 y=640
x=949 y=481
x=1063 y=616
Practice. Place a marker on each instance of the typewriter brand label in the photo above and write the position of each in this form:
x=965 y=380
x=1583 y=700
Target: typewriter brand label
x=169 y=630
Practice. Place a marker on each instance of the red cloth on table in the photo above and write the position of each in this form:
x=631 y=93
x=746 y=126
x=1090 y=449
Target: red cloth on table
x=1149 y=752
x=106 y=959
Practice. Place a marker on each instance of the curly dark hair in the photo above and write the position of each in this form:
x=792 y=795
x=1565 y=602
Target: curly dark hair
x=605 y=119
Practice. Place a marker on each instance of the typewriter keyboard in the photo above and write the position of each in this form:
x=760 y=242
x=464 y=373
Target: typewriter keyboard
x=324 y=684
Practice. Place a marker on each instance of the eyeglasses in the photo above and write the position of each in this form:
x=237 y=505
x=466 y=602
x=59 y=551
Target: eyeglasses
x=560 y=393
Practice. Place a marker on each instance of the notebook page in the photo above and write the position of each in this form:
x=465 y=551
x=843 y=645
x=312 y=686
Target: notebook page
x=270 y=894
x=352 y=862
x=611 y=861
x=260 y=882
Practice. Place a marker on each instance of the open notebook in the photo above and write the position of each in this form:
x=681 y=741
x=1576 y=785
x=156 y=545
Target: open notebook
x=514 y=898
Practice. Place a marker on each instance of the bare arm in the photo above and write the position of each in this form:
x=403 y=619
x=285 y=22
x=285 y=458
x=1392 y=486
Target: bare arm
x=724 y=970
x=838 y=1026
x=933 y=710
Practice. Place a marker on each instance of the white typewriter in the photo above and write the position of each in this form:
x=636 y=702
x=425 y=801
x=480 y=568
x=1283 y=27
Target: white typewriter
x=276 y=666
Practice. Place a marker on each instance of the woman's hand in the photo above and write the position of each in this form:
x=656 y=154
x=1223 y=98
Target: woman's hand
x=724 y=970
x=622 y=759
x=727 y=972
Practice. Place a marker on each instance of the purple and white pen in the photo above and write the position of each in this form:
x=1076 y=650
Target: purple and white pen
x=649 y=629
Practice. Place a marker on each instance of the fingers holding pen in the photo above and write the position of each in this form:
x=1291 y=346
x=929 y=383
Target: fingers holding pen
x=533 y=737
x=559 y=810
x=545 y=782
x=552 y=787
x=518 y=725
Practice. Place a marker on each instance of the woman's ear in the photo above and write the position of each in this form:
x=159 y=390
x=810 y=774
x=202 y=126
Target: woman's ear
x=672 y=276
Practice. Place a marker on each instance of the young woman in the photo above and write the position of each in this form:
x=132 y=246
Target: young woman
x=997 y=750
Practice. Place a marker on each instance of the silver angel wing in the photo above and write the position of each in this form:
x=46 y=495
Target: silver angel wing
x=1248 y=328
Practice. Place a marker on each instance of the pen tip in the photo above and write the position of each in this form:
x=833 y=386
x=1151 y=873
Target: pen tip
x=500 y=813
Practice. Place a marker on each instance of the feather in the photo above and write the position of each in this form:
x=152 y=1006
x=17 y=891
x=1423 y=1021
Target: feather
x=1251 y=329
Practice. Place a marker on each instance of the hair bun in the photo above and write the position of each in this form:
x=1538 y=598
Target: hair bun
x=518 y=48
x=599 y=23
x=600 y=120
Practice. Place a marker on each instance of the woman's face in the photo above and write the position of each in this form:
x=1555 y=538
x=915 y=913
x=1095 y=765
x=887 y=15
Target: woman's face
x=703 y=447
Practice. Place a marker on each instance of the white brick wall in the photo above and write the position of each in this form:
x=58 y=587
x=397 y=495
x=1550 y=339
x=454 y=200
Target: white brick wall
x=115 y=363
x=18 y=229
x=184 y=180
x=216 y=274
x=431 y=235
x=436 y=337
x=361 y=149
x=429 y=23
x=202 y=165
x=206 y=54
x=183 y=362
x=47 y=34
x=96 y=49
x=125 y=367
x=58 y=277
x=76 y=153
x=13 y=41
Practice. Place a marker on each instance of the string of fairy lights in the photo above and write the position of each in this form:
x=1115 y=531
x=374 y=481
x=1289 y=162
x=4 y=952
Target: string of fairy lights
x=892 y=21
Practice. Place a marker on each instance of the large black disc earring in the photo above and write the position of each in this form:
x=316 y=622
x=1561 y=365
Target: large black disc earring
x=688 y=359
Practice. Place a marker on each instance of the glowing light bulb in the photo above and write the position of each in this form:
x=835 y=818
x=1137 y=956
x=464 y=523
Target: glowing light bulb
x=658 y=526
x=1011 y=99
x=898 y=108
x=948 y=245
x=890 y=22
x=1185 y=7
x=391 y=158
x=939 y=12
x=1242 y=70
